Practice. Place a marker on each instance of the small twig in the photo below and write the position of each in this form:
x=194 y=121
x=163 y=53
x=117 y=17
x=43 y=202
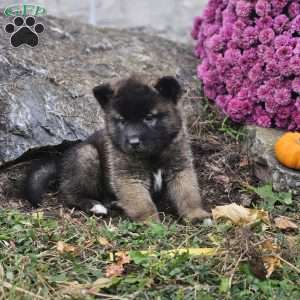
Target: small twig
x=234 y=269
x=10 y=286
x=107 y=296
x=288 y=263
x=254 y=245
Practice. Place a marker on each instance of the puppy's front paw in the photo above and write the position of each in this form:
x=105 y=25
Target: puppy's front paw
x=197 y=215
x=99 y=209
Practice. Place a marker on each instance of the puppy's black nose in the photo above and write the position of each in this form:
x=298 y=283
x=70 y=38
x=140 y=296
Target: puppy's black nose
x=134 y=142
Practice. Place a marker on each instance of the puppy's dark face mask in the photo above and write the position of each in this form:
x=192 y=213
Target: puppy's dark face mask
x=141 y=120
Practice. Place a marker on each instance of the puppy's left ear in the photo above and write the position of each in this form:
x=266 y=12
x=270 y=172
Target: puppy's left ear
x=169 y=88
x=103 y=94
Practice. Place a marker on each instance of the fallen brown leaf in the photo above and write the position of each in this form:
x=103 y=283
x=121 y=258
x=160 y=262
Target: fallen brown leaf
x=122 y=258
x=103 y=242
x=114 y=270
x=269 y=246
x=240 y=215
x=285 y=224
x=270 y=252
x=271 y=264
x=63 y=247
x=117 y=268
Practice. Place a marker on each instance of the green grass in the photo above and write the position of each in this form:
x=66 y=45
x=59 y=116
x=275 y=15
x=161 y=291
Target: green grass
x=214 y=121
x=31 y=267
x=235 y=131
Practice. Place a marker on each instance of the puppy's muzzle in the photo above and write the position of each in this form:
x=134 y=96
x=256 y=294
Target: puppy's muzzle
x=134 y=142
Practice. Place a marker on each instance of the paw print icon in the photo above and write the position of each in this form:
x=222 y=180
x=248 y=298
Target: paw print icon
x=24 y=31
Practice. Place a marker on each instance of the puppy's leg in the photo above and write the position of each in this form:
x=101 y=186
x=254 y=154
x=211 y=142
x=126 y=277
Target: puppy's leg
x=80 y=179
x=136 y=201
x=183 y=191
x=88 y=205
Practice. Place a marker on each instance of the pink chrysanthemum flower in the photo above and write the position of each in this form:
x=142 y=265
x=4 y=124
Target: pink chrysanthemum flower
x=271 y=106
x=264 y=121
x=294 y=9
x=264 y=22
x=284 y=52
x=294 y=65
x=263 y=7
x=280 y=23
x=297 y=104
x=238 y=110
x=272 y=68
x=281 y=41
x=243 y=8
x=296 y=85
x=266 y=36
x=282 y=96
x=284 y=112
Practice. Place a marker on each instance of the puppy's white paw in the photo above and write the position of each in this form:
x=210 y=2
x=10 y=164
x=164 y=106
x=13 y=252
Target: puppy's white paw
x=208 y=222
x=99 y=209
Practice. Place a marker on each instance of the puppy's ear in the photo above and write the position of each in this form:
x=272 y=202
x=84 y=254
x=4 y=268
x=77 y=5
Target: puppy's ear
x=103 y=93
x=169 y=88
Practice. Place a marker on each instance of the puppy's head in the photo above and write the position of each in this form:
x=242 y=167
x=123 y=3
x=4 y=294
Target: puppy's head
x=141 y=119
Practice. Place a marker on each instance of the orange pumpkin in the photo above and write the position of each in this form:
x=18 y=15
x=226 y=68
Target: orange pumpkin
x=287 y=150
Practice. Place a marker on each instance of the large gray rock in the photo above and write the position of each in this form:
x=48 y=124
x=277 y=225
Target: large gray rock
x=260 y=144
x=45 y=92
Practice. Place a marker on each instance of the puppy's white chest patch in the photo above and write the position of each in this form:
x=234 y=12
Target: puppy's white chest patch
x=157 y=180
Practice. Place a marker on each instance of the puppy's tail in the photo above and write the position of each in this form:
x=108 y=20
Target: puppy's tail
x=38 y=180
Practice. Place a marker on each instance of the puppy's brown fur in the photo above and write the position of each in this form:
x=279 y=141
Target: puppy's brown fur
x=144 y=145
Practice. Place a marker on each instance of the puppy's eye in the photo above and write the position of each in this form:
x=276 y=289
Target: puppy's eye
x=150 y=119
x=120 y=120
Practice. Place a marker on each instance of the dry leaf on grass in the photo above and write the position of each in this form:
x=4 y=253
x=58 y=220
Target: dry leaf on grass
x=270 y=253
x=114 y=270
x=104 y=242
x=271 y=264
x=240 y=215
x=285 y=224
x=173 y=252
x=75 y=289
x=117 y=268
x=190 y=251
x=266 y=259
x=63 y=247
x=122 y=258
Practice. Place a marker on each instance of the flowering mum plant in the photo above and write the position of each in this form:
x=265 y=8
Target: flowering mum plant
x=250 y=59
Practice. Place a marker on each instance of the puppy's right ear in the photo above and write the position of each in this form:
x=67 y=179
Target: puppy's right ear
x=103 y=93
